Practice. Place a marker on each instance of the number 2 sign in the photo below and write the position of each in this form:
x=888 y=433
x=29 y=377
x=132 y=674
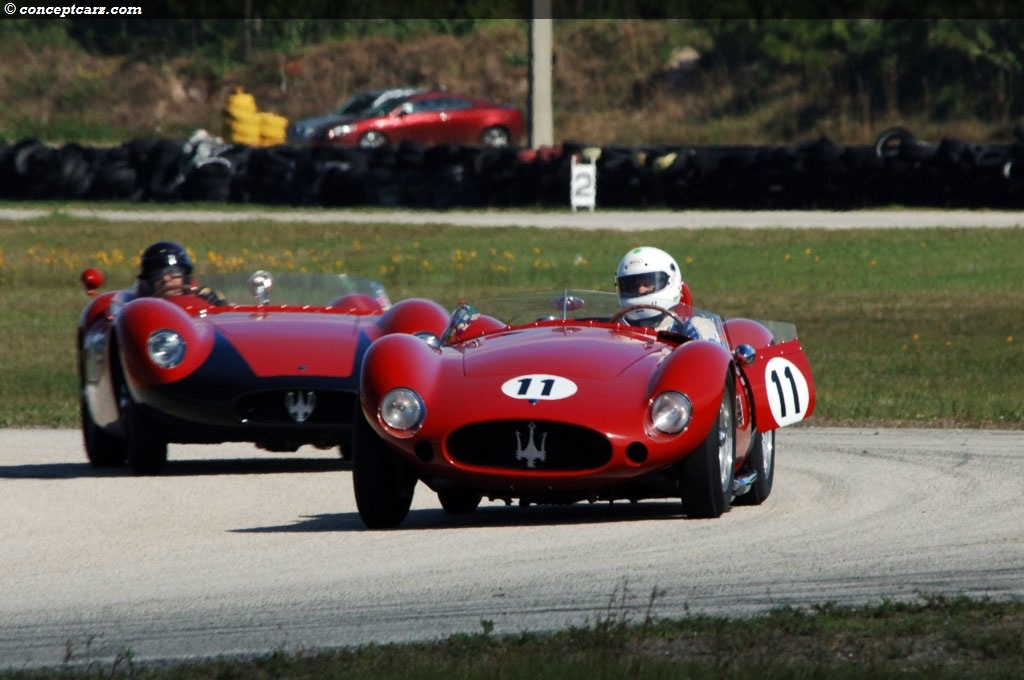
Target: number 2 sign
x=583 y=185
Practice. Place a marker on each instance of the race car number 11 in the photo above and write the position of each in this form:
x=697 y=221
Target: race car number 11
x=788 y=394
x=538 y=386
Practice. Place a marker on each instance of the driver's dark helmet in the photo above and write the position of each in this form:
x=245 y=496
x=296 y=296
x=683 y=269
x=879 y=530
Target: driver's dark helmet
x=160 y=257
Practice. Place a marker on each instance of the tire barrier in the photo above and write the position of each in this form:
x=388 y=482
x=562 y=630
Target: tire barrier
x=898 y=169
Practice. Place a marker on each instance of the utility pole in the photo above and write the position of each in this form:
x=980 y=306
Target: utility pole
x=541 y=116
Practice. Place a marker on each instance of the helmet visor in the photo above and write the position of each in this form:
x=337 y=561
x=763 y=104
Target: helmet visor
x=174 y=272
x=642 y=284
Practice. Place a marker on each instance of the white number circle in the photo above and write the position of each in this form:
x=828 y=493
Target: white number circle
x=539 y=386
x=788 y=393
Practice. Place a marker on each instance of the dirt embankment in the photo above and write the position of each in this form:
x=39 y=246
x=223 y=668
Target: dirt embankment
x=612 y=82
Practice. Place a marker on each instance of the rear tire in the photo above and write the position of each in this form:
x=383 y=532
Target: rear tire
x=383 y=483
x=706 y=475
x=762 y=461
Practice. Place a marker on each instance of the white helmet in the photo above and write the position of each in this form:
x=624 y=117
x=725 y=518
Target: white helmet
x=648 y=276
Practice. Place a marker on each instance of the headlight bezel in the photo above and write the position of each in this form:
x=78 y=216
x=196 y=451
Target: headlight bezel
x=166 y=348
x=670 y=412
x=402 y=412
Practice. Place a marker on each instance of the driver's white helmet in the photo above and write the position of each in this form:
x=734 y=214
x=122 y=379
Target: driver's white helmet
x=648 y=276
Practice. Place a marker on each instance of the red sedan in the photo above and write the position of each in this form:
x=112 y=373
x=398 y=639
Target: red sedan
x=430 y=118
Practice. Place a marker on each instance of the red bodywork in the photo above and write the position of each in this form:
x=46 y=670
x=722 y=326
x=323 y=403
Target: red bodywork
x=278 y=375
x=485 y=390
x=431 y=118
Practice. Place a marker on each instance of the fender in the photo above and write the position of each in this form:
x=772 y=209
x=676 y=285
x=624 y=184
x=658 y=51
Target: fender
x=747 y=332
x=482 y=325
x=782 y=386
x=698 y=369
x=414 y=315
x=99 y=308
x=357 y=303
x=138 y=320
x=397 y=360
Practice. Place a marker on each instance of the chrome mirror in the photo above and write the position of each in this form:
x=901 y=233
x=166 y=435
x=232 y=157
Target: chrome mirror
x=744 y=354
x=260 y=285
x=567 y=303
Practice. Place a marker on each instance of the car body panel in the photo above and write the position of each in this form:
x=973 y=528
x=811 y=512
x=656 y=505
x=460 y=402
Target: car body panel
x=278 y=374
x=437 y=117
x=508 y=405
x=358 y=104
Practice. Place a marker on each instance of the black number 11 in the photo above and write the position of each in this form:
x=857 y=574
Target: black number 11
x=524 y=386
x=782 y=397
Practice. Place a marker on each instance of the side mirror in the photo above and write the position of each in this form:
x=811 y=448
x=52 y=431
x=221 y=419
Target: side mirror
x=260 y=285
x=744 y=355
x=92 y=279
x=566 y=303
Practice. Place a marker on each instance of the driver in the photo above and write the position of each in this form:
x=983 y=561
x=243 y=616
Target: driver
x=650 y=276
x=165 y=270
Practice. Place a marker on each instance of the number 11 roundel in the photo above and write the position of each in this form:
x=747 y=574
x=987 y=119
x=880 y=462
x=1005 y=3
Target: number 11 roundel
x=788 y=392
x=539 y=387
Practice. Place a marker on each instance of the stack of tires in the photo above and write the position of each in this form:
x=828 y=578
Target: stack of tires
x=272 y=129
x=245 y=124
x=241 y=119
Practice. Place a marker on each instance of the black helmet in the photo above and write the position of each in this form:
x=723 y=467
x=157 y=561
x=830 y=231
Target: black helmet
x=159 y=256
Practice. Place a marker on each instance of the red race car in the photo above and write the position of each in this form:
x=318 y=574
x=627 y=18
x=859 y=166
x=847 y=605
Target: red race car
x=272 y=360
x=564 y=401
x=429 y=118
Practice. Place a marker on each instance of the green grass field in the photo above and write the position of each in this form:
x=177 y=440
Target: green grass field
x=902 y=327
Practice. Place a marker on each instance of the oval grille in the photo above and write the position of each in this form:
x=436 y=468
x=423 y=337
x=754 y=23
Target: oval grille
x=529 y=445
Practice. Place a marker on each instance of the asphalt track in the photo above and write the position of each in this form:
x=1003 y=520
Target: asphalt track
x=235 y=551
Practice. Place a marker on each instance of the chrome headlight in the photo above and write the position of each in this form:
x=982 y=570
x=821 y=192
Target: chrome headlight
x=166 y=348
x=402 y=410
x=671 y=412
x=340 y=131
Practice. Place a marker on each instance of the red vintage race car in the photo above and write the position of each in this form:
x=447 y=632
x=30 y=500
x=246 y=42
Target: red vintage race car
x=272 y=360
x=557 y=399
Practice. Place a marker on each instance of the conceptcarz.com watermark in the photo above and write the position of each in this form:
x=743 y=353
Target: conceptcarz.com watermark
x=62 y=11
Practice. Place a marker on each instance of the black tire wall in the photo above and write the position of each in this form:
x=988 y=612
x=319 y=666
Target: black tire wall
x=898 y=169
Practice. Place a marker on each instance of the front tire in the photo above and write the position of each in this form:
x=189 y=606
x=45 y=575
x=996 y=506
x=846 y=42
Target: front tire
x=383 y=483
x=146 y=445
x=459 y=501
x=495 y=137
x=762 y=461
x=103 y=449
x=373 y=140
x=706 y=475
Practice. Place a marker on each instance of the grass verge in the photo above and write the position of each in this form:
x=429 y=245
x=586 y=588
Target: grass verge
x=915 y=327
x=932 y=638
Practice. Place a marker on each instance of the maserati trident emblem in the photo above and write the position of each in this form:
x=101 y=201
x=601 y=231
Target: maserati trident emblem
x=531 y=454
x=300 y=405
